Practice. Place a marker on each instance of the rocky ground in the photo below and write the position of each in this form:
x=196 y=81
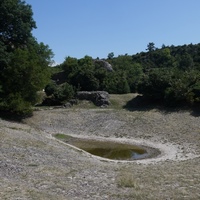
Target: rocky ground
x=34 y=165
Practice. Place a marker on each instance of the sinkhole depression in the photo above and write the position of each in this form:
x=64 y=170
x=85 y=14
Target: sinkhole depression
x=110 y=149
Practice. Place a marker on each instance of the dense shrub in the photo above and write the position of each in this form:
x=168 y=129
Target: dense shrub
x=60 y=93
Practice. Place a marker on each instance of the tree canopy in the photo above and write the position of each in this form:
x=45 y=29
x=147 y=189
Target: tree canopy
x=23 y=61
x=16 y=22
x=169 y=74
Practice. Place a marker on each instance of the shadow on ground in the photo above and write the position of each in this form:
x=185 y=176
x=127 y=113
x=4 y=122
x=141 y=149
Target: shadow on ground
x=13 y=117
x=140 y=103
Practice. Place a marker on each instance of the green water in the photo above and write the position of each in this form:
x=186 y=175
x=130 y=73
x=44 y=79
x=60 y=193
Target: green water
x=117 y=154
x=106 y=149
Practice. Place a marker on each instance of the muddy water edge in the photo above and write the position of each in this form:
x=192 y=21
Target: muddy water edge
x=110 y=149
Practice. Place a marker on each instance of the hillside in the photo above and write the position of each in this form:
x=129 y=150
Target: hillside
x=33 y=165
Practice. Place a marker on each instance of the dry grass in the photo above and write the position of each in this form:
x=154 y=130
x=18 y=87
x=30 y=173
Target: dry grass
x=126 y=179
x=118 y=101
x=34 y=166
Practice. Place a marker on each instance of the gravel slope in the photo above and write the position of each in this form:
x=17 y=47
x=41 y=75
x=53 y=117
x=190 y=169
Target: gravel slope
x=33 y=165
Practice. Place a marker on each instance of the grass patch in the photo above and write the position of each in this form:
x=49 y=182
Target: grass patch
x=125 y=179
x=118 y=101
x=33 y=165
x=85 y=104
x=62 y=136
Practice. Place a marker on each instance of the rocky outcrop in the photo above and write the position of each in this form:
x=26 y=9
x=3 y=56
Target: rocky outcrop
x=104 y=64
x=99 y=98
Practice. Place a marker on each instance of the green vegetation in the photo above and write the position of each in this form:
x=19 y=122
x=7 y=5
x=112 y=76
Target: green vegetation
x=62 y=136
x=23 y=61
x=61 y=92
x=170 y=75
x=85 y=74
x=119 y=101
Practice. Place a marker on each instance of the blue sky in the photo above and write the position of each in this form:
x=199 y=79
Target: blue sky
x=97 y=27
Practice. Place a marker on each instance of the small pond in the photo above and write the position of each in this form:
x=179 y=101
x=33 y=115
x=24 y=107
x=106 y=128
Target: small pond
x=109 y=149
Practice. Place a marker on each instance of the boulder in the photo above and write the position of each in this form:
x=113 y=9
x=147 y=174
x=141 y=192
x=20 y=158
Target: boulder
x=99 y=98
x=104 y=64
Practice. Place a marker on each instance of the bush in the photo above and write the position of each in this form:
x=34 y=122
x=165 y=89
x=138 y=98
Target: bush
x=15 y=103
x=154 y=84
x=64 y=92
x=51 y=88
x=59 y=93
x=116 y=83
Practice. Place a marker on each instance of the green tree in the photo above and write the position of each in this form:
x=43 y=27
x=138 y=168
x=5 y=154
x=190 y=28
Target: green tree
x=64 y=92
x=23 y=61
x=133 y=71
x=185 y=61
x=116 y=83
x=110 y=55
x=61 y=93
x=51 y=88
x=134 y=75
x=70 y=65
x=100 y=74
x=25 y=74
x=154 y=84
x=151 y=47
x=84 y=77
x=183 y=87
x=16 y=23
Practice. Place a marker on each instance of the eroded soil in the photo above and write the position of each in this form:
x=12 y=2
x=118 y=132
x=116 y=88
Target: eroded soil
x=34 y=165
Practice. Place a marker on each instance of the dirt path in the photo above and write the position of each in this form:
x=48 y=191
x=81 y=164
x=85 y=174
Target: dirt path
x=35 y=166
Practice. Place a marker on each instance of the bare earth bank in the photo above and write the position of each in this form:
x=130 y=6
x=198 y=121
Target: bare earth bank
x=33 y=165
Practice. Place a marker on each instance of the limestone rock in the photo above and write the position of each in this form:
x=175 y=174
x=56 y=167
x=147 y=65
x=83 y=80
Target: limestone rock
x=99 y=98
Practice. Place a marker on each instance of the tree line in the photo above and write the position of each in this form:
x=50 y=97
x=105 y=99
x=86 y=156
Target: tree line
x=170 y=74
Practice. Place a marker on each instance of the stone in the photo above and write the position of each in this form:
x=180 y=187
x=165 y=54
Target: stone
x=99 y=98
x=105 y=64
